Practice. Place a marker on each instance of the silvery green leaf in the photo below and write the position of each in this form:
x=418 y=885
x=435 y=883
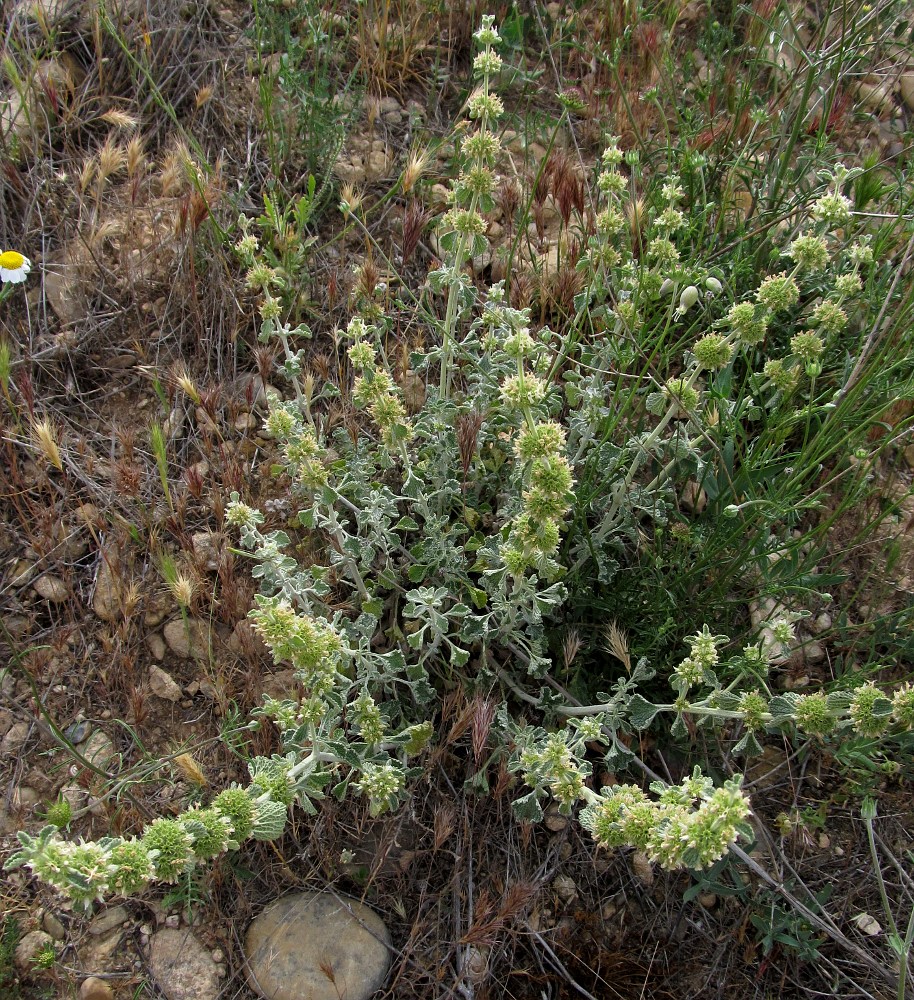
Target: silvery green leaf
x=373 y=606
x=656 y=403
x=641 y=712
x=618 y=757
x=528 y=807
x=643 y=671
x=782 y=707
x=270 y=820
x=459 y=656
x=748 y=745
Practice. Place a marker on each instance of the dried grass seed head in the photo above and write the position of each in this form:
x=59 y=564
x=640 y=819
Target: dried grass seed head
x=44 y=436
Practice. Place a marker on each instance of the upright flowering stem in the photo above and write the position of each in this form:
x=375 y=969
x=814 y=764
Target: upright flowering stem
x=463 y=226
x=450 y=317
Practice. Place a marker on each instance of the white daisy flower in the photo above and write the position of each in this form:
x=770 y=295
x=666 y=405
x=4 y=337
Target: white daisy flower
x=14 y=266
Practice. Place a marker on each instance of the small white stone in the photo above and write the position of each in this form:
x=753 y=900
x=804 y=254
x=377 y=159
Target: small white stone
x=156 y=645
x=163 y=686
x=51 y=588
x=29 y=946
x=14 y=740
x=565 y=888
x=108 y=920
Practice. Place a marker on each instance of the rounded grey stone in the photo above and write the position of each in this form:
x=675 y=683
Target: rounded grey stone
x=317 y=945
x=181 y=966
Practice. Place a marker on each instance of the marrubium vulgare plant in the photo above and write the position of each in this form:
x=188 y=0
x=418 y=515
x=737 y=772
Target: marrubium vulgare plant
x=451 y=530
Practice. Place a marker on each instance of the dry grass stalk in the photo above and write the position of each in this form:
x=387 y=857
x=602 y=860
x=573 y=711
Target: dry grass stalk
x=136 y=156
x=191 y=770
x=44 y=437
x=617 y=644
x=120 y=119
x=416 y=165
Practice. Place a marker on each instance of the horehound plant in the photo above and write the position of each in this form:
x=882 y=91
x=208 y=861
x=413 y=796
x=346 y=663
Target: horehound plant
x=453 y=533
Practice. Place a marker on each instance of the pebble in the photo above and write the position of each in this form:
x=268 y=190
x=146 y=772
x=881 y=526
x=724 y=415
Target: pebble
x=813 y=652
x=14 y=740
x=163 y=685
x=205 y=422
x=51 y=588
x=24 y=798
x=29 y=946
x=297 y=940
x=78 y=731
x=475 y=964
x=764 y=613
x=75 y=796
x=874 y=94
x=53 y=926
x=378 y=163
x=108 y=920
x=906 y=87
x=94 y=988
x=98 y=749
x=208 y=545
x=642 y=867
x=438 y=197
x=157 y=610
x=106 y=599
x=565 y=888
x=554 y=820
x=693 y=498
x=188 y=640
x=156 y=645
x=182 y=967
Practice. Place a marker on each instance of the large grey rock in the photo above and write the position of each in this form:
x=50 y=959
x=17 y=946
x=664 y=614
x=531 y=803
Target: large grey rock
x=317 y=945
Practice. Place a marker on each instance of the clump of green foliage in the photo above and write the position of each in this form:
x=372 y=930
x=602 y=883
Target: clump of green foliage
x=535 y=468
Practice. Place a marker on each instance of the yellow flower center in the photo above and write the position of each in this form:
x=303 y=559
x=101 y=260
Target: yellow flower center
x=11 y=260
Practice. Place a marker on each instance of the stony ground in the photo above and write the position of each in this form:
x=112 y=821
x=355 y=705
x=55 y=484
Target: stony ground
x=133 y=148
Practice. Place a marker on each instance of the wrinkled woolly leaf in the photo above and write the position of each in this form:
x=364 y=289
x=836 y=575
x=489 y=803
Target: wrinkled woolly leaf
x=641 y=712
x=270 y=820
x=527 y=807
x=748 y=745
